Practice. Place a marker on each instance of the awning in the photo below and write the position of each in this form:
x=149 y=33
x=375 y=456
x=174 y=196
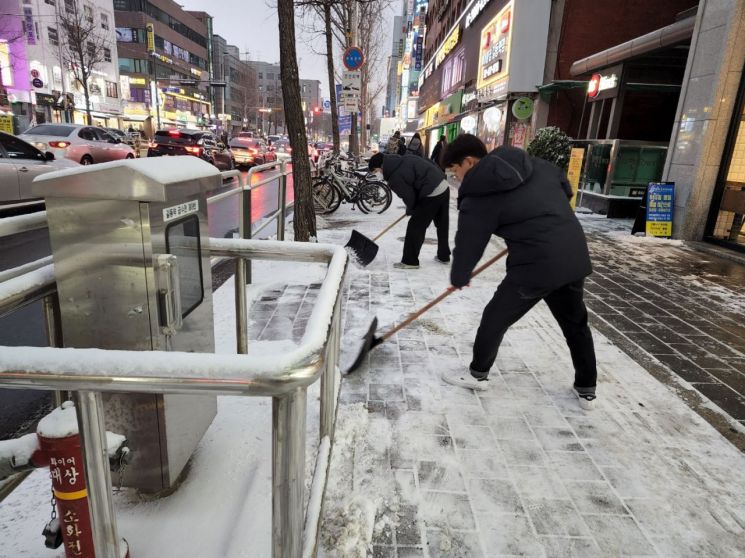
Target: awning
x=134 y=117
x=677 y=32
x=546 y=90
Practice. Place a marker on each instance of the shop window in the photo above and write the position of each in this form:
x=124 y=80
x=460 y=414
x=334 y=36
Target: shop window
x=70 y=6
x=107 y=54
x=88 y=13
x=730 y=220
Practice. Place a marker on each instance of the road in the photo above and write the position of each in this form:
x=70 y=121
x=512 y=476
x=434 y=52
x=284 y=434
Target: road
x=19 y=409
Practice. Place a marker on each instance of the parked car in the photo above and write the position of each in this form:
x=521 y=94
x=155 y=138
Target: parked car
x=132 y=139
x=272 y=139
x=83 y=144
x=20 y=163
x=245 y=135
x=192 y=142
x=249 y=152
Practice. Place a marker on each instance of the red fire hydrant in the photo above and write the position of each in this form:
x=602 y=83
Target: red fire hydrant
x=59 y=448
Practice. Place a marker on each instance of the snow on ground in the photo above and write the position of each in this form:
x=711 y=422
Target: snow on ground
x=421 y=468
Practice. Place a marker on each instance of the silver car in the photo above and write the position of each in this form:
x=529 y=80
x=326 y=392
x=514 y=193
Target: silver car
x=83 y=144
x=20 y=163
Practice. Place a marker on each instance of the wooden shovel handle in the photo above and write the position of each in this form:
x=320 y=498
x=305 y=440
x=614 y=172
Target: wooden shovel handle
x=389 y=227
x=411 y=317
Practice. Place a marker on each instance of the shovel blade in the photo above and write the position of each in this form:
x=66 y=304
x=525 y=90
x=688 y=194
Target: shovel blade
x=368 y=342
x=363 y=249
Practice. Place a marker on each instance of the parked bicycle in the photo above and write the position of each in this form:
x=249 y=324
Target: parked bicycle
x=335 y=186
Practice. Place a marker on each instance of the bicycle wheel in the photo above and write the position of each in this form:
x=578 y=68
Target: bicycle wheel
x=375 y=197
x=326 y=198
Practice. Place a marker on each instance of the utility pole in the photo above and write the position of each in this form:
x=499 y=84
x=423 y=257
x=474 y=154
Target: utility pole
x=352 y=38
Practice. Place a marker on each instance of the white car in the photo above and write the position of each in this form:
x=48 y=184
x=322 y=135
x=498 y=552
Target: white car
x=83 y=144
x=20 y=163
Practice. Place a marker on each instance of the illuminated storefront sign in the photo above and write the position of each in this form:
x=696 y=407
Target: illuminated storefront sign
x=494 y=50
x=604 y=85
x=475 y=12
x=448 y=46
x=5 y=67
x=137 y=81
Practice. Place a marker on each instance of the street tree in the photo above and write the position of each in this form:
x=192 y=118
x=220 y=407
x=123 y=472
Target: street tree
x=83 y=44
x=323 y=10
x=305 y=217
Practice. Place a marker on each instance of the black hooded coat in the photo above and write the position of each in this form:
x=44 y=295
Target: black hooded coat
x=523 y=200
x=411 y=177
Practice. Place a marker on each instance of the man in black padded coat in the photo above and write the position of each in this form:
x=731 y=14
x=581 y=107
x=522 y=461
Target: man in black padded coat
x=422 y=186
x=525 y=201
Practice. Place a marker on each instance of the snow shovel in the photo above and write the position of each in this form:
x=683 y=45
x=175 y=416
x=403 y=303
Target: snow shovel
x=365 y=249
x=370 y=341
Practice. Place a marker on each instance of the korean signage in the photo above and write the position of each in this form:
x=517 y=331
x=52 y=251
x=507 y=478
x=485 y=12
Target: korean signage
x=418 y=53
x=574 y=172
x=447 y=47
x=150 y=29
x=475 y=11
x=660 y=206
x=28 y=25
x=494 y=49
x=6 y=123
x=345 y=125
x=604 y=85
x=350 y=90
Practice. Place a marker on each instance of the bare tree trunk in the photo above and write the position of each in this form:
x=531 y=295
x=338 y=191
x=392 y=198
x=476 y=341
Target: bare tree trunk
x=305 y=217
x=332 y=80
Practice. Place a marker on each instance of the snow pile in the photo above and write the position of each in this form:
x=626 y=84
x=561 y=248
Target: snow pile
x=627 y=237
x=359 y=494
x=60 y=423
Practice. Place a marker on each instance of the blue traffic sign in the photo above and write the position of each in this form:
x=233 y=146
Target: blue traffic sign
x=326 y=104
x=353 y=58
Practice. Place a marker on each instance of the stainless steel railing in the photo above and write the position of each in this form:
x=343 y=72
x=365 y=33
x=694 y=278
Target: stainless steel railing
x=284 y=378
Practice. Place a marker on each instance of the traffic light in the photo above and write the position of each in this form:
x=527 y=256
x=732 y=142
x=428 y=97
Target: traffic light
x=316 y=110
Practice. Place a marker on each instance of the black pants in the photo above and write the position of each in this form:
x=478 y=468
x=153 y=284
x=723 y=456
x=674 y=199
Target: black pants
x=510 y=303
x=435 y=209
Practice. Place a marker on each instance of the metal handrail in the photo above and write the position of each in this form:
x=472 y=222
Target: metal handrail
x=285 y=378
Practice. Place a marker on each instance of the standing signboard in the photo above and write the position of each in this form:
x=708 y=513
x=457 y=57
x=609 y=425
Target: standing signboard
x=350 y=90
x=660 y=206
x=574 y=172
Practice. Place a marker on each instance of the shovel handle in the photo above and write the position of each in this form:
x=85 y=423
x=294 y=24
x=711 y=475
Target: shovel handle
x=411 y=317
x=389 y=227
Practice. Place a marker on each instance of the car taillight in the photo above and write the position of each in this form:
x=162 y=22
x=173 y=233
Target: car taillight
x=152 y=144
x=174 y=133
x=253 y=151
x=193 y=150
x=59 y=144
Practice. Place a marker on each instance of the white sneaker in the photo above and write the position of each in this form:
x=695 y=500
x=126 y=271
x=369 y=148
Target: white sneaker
x=465 y=381
x=401 y=265
x=586 y=398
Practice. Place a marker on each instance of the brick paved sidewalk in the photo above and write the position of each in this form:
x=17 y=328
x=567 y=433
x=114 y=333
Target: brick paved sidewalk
x=683 y=308
x=421 y=468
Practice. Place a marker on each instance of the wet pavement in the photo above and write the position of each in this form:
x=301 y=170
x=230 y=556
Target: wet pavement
x=670 y=304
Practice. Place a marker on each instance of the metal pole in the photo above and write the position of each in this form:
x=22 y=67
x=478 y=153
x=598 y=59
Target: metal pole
x=89 y=409
x=282 y=201
x=288 y=473
x=244 y=219
x=52 y=323
x=241 y=318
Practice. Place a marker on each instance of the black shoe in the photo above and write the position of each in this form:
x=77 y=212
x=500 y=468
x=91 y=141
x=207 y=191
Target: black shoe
x=442 y=261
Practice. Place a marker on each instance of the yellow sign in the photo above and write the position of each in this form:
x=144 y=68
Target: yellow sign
x=6 y=124
x=137 y=81
x=494 y=49
x=575 y=171
x=447 y=46
x=150 y=37
x=660 y=228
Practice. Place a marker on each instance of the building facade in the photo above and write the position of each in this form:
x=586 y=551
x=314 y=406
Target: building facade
x=164 y=64
x=38 y=82
x=235 y=104
x=393 y=87
x=270 y=111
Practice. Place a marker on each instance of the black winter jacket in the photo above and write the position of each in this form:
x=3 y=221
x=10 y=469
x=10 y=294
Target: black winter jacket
x=524 y=200
x=411 y=178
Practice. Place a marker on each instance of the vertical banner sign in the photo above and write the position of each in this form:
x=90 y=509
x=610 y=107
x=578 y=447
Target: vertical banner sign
x=150 y=37
x=660 y=204
x=28 y=25
x=576 y=158
x=6 y=124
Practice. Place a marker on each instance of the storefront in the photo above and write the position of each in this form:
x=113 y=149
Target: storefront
x=477 y=61
x=726 y=224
